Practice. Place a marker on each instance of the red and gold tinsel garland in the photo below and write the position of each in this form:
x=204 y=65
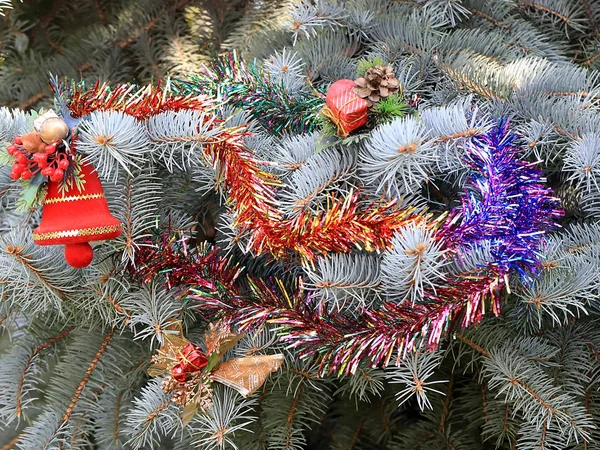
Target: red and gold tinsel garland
x=139 y=102
x=251 y=190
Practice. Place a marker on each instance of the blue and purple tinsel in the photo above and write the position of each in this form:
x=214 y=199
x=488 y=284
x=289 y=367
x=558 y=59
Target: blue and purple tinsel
x=506 y=206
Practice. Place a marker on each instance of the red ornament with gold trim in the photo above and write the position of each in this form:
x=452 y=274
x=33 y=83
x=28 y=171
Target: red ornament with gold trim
x=75 y=218
x=345 y=108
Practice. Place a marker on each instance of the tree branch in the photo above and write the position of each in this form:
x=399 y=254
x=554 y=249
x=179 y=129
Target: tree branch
x=87 y=376
x=36 y=352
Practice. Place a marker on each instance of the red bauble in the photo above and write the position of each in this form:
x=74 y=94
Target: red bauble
x=76 y=217
x=79 y=255
x=345 y=108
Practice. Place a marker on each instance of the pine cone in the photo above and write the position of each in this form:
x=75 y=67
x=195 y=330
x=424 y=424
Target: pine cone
x=378 y=82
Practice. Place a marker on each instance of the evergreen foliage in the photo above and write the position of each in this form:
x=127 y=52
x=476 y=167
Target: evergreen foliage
x=77 y=343
x=116 y=40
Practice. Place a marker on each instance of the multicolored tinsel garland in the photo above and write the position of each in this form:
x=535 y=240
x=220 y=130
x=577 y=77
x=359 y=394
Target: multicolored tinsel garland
x=342 y=343
x=499 y=181
x=343 y=226
x=251 y=190
x=506 y=207
x=236 y=83
x=133 y=100
x=184 y=266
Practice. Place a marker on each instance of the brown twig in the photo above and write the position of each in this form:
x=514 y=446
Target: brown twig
x=291 y=415
x=545 y=9
x=150 y=417
x=12 y=443
x=489 y=18
x=126 y=42
x=112 y=301
x=117 y=407
x=87 y=376
x=356 y=434
x=462 y=134
x=447 y=401
x=589 y=61
x=473 y=345
x=588 y=11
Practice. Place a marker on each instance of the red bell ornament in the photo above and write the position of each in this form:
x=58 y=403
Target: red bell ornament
x=76 y=217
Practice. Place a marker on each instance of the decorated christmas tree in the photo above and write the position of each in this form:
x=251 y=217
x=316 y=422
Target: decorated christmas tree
x=371 y=225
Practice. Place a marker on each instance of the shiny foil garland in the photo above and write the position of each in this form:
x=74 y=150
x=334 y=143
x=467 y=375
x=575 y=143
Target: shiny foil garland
x=139 y=102
x=346 y=224
x=506 y=205
x=239 y=84
x=506 y=208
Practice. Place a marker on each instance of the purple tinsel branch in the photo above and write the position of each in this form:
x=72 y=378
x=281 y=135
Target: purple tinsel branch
x=506 y=205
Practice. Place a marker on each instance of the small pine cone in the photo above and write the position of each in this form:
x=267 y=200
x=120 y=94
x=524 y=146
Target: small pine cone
x=378 y=82
x=182 y=392
x=204 y=397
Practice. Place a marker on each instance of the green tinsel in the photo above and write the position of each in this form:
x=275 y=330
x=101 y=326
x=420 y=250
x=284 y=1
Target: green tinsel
x=247 y=87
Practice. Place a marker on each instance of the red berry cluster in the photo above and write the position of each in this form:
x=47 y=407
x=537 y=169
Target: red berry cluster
x=51 y=164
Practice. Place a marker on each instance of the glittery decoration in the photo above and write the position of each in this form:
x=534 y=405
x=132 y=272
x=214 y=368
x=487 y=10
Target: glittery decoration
x=182 y=266
x=140 y=102
x=190 y=372
x=73 y=198
x=345 y=108
x=190 y=359
x=506 y=205
x=346 y=224
x=245 y=86
x=247 y=375
x=79 y=232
